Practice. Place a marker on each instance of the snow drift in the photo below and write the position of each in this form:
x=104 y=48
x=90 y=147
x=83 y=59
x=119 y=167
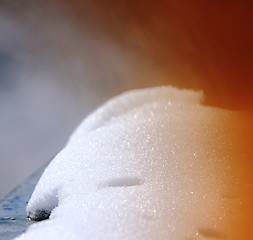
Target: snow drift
x=149 y=164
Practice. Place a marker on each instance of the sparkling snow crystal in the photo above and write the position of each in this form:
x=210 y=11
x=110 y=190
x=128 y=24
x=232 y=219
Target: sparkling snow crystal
x=149 y=164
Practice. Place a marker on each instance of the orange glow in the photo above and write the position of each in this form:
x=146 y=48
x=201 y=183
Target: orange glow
x=198 y=44
x=240 y=223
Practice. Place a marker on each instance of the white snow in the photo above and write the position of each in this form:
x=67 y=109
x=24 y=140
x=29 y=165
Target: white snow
x=149 y=164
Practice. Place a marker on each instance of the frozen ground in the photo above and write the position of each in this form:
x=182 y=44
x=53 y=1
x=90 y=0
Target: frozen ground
x=149 y=164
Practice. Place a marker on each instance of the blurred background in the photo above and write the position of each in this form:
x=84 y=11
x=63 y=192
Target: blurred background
x=60 y=59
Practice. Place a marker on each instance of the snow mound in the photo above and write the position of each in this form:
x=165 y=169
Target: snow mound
x=149 y=164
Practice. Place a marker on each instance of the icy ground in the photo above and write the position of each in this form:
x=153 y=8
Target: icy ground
x=149 y=164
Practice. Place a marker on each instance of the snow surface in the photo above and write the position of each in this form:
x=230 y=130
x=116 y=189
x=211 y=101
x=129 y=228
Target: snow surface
x=149 y=164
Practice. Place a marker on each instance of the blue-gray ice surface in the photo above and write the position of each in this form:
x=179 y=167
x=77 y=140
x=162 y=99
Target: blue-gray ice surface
x=149 y=164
